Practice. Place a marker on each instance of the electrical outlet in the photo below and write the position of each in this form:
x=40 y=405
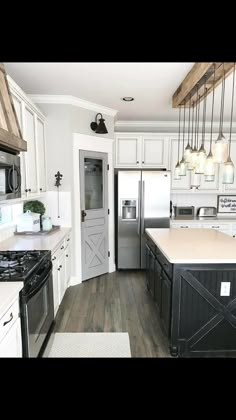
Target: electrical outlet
x=225 y=288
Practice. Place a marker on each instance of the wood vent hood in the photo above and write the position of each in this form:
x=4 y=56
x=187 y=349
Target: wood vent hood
x=197 y=76
x=10 y=134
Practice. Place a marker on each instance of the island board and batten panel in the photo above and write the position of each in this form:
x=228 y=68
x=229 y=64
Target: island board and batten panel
x=191 y=275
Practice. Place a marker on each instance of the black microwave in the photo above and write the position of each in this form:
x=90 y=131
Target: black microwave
x=10 y=177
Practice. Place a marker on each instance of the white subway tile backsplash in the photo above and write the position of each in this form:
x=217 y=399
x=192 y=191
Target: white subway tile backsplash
x=197 y=200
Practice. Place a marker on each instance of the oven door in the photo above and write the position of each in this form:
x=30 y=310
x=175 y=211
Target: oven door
x=37 y=316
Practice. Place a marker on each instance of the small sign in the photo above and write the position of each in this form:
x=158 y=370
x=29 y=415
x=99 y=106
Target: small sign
x=226 y=204
x=225 y=288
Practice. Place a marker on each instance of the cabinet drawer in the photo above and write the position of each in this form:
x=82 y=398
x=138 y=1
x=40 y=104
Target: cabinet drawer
x=56 y=255
x=9 y=318
x=217 y=226
x=166 y=265
x=151 y=245
x=185 y=225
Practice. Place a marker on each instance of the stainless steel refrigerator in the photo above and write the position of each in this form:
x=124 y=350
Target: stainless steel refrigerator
x=142 y=201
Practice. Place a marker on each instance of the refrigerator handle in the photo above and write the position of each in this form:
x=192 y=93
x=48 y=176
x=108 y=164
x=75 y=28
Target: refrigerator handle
x=139 y=201
x=142 y=208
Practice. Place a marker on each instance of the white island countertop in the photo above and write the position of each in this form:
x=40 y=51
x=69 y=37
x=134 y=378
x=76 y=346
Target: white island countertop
x=34 y=242
x=9 y=291
x=194 y=246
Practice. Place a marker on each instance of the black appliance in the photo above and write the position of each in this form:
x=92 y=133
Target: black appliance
x=34 y=269
x=10 y=176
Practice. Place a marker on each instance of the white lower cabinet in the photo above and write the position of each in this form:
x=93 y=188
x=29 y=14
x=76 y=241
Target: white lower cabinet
x=226 y=228
x=185 y=225
x=10 y=332
x=61 y=260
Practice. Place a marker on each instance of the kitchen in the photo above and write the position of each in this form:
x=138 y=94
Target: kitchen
x=58 y=126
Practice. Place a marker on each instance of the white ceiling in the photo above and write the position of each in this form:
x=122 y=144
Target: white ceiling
x=151 y=84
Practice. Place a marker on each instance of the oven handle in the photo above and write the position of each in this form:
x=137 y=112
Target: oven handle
x=40 y=285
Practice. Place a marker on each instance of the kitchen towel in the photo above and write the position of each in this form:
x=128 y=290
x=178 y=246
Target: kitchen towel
x=88 y=345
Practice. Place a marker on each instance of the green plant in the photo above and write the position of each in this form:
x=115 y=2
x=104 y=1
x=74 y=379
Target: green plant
x=35 y=206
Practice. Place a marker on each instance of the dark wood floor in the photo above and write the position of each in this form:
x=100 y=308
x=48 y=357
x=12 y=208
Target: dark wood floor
x=116 y=302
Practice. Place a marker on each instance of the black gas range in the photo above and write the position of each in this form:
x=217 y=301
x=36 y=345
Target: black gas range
x=34 y=269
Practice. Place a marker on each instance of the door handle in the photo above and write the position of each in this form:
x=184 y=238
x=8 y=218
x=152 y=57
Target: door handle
x=83 y=214
x=142 y=213
x=138 y=206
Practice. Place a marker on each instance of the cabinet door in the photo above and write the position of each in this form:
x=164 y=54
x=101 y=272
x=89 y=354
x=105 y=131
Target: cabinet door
x=41 y=155
x=184 y=182
x=128 y=151
x=18 y=107
x=68 y=263
x=166 y=303
x=152 y=273
x=31 y=162
x=148 y=258
x=62 y=276
x=232 y=187
x=154 y=151
x=11 y=344
x=158 y=281
x=56 y=301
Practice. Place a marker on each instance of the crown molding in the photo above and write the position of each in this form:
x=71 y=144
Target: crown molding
x=167 y=125
x=72 y=100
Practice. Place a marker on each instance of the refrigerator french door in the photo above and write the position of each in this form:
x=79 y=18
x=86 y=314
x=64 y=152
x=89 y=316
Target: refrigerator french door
x=143 y=200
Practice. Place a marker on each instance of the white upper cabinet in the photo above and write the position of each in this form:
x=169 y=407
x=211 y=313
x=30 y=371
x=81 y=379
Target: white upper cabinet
x=33 y=162
x=155 y=151
x=128 y=151
x=31 y=158
x=41 y=155
x=138 y=150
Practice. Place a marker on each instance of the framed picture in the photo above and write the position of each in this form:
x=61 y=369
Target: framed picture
x=226 y=204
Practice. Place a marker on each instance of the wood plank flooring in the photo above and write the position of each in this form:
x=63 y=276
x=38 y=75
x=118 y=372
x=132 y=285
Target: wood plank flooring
x=115 y=302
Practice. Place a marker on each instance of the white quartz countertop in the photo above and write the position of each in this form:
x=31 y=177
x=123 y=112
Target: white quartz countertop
x=8 y=293
x=189 y=246
x=37 y=242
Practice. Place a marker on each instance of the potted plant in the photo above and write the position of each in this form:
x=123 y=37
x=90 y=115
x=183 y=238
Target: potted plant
x=35 y=206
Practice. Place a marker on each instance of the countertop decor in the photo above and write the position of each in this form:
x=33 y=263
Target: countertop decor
x=226 y=204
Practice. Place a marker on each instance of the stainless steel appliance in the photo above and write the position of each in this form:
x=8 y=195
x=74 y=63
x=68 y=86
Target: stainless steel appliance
x=10 y=177
x=184 y=212
x=207 y=212
x=34 y=269
x=142 y=201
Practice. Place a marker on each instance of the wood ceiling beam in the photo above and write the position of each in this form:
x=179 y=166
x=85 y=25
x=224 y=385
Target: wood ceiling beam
x=197 y=76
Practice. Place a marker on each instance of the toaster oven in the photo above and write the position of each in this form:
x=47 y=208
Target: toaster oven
x=184 y=212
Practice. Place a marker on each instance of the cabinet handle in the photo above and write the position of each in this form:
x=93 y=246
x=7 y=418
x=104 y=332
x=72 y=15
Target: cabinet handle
x=67 y=255
x=54 y=258
x=215 y=227
x=11 y=318
x=184 y=226
x=62 y=247
x=68 y=239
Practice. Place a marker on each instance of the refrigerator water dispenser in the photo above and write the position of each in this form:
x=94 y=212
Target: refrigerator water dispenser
x=129 y=209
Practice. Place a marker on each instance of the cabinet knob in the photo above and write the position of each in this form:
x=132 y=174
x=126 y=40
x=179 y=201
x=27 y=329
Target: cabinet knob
x=59 y=269
x=54 y=258
x=29 y=189
x=142 y=161
x=137 y=161
x=60 y=266
x=67 y=255
x=40 y=189
x=68 y=239
x=26 y=191
x=62 y=247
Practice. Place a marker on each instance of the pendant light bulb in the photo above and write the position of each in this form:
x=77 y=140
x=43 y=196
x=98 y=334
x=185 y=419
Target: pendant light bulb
x=228 y=172
x=194 y=157
x=201 y=160
x=220 y=149
x=195 y=179
x=182 y=167
x=177 y=171
x=187 y=153
x=209 y=168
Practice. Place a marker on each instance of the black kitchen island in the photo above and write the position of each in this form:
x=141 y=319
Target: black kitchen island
x=191 y=275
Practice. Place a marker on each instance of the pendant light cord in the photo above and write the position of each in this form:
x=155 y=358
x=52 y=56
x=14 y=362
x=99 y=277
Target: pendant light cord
x=195 y=138
x=204 y=115
x=192 y=125
x=189 y=122
x=179 y=132
x=198 y=119
x=232 y=108
x=222 y=101
x=183 y=130
x=212 y=110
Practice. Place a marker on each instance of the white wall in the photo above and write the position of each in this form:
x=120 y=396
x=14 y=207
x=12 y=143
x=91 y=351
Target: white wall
x=195 y=199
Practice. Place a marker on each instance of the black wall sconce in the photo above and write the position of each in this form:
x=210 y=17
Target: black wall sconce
x=100 y=127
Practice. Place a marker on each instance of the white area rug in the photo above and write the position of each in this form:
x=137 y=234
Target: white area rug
x=88 y=345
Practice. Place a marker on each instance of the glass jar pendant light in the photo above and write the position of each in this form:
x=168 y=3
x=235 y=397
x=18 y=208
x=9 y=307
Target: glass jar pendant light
x=220 y=146
x=228 y=170
x=182 y=162
x=177 y=166
x=210 y=164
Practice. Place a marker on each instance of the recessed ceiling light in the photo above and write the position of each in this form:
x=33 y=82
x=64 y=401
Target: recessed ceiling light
x=128 y=99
